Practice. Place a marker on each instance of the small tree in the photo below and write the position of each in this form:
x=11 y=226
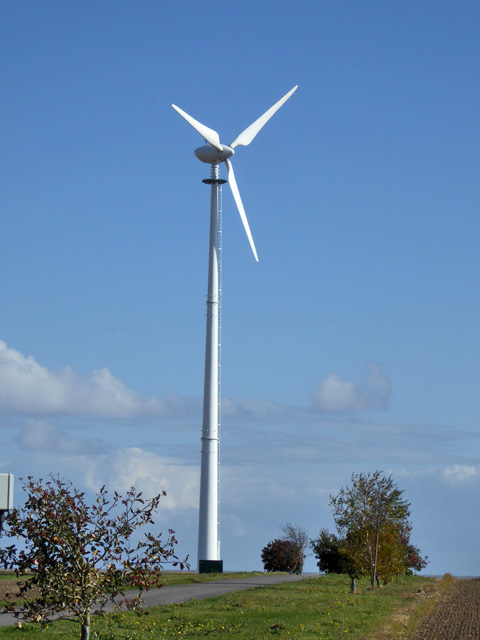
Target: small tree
x=78 y=557
x=372 y=517
x=335 y=556
x=298 y=536
x=352 y=557
x=326 y=549
x=282 y=555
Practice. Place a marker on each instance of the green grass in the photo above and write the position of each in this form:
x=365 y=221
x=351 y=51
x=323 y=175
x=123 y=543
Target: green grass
x=322 y=608
x=7 y=575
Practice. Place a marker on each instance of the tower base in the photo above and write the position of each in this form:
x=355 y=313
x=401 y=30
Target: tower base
x=210 y=566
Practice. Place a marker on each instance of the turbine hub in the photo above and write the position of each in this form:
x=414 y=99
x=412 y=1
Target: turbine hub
x=210 y=155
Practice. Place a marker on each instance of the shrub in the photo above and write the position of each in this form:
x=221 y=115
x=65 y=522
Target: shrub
x=282 y=555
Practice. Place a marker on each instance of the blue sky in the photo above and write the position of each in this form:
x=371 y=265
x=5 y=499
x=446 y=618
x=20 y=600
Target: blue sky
x=351 y=346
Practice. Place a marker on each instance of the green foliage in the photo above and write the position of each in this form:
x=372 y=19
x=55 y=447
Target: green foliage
x=76 y=557
x=372 y=519
x=326 y=549
x=282 y=555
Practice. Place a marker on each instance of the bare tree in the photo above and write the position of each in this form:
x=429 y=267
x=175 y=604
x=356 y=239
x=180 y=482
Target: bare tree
x=298 y=536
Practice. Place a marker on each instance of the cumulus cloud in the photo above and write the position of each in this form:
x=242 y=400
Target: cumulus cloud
x=28 y=388
x=147 y=472
x=334 y=395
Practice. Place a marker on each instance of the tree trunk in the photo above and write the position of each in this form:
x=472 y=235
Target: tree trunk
x=375 y=560
x=352 y=585
x=85 y=626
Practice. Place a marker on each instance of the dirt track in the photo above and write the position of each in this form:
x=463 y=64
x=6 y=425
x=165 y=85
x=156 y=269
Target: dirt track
x=456 y=615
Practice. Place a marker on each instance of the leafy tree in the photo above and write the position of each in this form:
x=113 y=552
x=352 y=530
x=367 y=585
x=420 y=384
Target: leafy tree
x=336 y=555
x=75 y=557
x=348 y=547
x=399 y=556
x=392 y=559
x=372 y=518
x=326 y=549
x=413 y=560
x=298 y=536
x=282 y=555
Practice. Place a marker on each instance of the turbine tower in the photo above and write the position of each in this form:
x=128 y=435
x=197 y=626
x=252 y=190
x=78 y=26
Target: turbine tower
x=214 y=153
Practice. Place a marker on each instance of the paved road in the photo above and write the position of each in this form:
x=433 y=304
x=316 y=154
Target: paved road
x=186 y=592
x=200 y=591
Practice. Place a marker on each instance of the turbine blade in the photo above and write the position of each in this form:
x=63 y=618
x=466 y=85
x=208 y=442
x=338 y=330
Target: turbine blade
x=210 y=135
x=250 y=132
x=236 y=195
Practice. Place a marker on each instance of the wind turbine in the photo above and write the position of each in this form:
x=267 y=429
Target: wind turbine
x=214 y=153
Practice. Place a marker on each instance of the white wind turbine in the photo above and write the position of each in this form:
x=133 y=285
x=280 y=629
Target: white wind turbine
x=214 y=153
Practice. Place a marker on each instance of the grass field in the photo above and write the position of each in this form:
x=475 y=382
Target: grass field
x=322 y=608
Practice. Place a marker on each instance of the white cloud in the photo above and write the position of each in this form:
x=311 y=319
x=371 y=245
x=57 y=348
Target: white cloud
x=334 y=395
x=459 y=473
x=28 y=388
x=147 y=472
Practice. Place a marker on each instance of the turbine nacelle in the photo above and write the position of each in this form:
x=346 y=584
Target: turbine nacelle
x=211 y=155
x=215 y=152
